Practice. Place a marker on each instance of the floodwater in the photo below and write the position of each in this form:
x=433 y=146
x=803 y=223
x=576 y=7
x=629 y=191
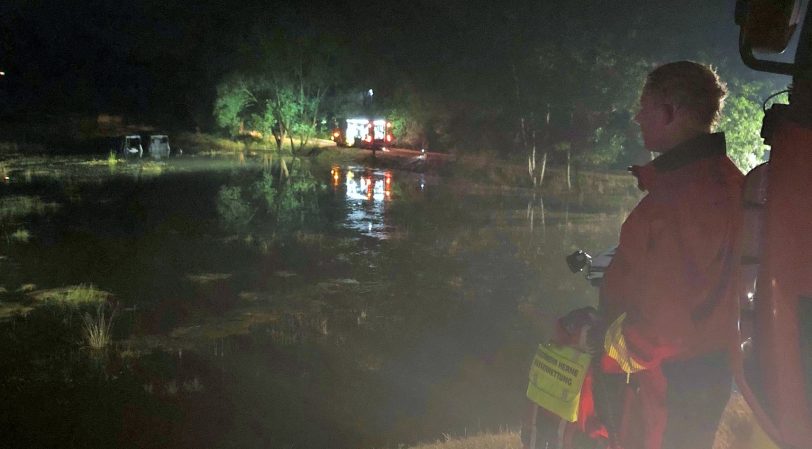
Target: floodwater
x=337 y=306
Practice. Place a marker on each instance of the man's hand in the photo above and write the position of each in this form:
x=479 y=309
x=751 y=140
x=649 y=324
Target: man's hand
x=586 y=325
x=594 y=338
x=575 y=321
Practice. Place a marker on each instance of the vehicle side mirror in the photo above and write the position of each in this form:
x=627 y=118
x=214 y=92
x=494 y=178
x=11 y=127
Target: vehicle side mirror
x=767 y=25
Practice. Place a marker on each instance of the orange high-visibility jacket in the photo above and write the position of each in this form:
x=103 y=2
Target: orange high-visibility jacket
x=675 y=272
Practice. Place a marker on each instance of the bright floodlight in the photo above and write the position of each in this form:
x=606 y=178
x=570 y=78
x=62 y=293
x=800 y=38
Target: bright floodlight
x=370 y=92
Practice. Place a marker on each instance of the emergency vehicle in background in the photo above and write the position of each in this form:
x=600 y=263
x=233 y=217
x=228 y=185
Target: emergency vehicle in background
x=363 y=133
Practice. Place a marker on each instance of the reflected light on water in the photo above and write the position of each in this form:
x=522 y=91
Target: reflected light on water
x=367 y=193
x=374 y=186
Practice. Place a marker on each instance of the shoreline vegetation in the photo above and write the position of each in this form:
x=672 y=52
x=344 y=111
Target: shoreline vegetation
x=19 y=141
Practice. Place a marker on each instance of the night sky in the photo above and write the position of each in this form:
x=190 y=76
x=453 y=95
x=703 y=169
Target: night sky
x=164 y=58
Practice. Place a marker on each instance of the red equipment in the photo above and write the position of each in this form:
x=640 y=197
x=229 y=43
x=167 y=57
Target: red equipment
x=775 y=372
x=772 y=356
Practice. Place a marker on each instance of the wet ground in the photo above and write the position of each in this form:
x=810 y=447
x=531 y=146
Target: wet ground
x=253 y=304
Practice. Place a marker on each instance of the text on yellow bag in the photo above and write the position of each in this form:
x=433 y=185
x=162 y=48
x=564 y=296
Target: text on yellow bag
x=556 y=377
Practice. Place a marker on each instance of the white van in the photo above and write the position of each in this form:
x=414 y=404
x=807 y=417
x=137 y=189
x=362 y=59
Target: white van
x=159 y=146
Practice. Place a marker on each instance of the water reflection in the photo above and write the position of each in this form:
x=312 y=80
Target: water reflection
x=369 y=185
x=250 y=319
x=535 y=208
x=368 y=193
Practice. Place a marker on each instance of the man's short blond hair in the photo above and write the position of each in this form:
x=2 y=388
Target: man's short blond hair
x=690 y=85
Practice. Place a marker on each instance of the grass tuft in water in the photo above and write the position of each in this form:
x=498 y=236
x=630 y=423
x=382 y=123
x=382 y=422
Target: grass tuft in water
x=207 y=278
x=25 y=288
x=76 y=295
x=112 y=159
x=152 y=168
x=97 y=328
x=12 y=309
x=16 y=206
x=21 y=235
x=84 y=294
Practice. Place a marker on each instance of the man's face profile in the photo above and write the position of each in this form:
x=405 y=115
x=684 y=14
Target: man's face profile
x=654 y=117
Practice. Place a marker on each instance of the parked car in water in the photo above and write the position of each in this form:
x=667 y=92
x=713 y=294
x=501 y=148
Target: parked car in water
x=130 y=146
x=159 y=146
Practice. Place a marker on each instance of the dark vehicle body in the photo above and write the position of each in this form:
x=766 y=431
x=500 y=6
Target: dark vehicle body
x=130 y=146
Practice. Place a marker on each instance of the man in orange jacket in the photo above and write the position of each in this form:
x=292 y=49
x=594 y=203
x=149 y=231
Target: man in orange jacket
x=669 y=293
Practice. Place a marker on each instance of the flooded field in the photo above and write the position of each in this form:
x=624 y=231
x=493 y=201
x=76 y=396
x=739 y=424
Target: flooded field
x=241 y=302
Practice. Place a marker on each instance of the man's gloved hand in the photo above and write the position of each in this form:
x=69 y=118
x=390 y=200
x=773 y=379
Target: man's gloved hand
x=595 y=337
x=576 y=320
x=586 y=327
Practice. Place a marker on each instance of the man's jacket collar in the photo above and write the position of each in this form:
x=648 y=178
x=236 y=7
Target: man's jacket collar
x=700 y=147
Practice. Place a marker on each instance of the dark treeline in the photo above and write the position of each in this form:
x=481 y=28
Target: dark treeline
x=556 y=79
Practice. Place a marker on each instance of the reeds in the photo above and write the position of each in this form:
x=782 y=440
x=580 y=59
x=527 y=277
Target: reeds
x=97 y=328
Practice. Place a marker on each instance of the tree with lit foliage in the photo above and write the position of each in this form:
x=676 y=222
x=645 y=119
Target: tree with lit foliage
x=233 y=98
x=741 y=122
x=284 y=95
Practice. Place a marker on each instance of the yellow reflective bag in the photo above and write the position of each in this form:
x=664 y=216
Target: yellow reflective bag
x=556 y=378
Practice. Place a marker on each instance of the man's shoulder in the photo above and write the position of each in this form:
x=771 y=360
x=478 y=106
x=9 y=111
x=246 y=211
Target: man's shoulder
x=709 y=174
